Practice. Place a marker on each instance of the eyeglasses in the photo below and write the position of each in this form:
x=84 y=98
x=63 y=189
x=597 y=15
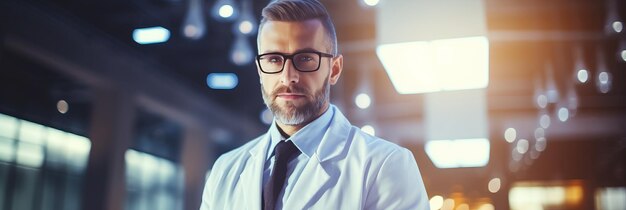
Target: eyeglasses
x=272 y=63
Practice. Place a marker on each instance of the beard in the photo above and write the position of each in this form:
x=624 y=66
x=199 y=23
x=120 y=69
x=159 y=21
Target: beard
x=290 y=113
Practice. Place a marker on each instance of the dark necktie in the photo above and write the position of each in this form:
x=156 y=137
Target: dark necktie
x=283 y=153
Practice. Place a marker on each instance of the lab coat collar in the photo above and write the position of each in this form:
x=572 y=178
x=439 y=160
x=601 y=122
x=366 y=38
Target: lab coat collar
x=335 y=138
x=322 y=139
x=307 y=139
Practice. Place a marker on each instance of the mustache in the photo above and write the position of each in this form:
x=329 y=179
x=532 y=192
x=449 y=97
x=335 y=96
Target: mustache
x=290 y=89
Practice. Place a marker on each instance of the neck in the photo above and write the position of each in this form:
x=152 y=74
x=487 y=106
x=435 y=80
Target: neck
x=292 y=129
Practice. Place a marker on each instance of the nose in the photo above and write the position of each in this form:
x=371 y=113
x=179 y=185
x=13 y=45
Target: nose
x=289 y=75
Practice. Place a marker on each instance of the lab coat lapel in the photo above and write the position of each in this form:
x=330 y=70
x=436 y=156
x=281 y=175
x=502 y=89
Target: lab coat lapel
x=315 y=177
x=309 y=187
x=252 y=175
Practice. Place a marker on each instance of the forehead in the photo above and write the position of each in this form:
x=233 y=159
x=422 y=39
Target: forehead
x=291 y=36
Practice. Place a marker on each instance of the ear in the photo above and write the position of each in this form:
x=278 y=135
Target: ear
x=336 y=69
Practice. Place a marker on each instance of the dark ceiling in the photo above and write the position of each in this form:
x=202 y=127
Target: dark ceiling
x=524 y=36
x=188 y=60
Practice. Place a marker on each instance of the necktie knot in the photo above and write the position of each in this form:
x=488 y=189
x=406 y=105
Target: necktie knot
x=285 y=150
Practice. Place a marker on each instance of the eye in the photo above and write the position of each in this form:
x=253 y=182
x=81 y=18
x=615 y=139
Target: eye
x=275 y=59
x=305 y=58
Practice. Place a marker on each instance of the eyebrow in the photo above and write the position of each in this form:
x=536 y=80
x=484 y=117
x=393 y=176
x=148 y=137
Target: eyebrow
x=308 y=49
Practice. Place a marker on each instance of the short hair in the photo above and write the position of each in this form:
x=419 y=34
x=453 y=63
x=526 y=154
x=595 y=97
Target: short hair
x=301 y=10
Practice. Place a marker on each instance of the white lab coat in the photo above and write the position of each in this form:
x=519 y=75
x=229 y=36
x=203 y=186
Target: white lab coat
x=349 y=170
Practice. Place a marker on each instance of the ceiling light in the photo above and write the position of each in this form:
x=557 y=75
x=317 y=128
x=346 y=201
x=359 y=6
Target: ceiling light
x=458 y=153
x=62 y=106
x=245 y=27
x=194 y=26
x=494 y=185
x=544 y=121
x=371 y=3
x=582 y=75
x=226 y=11
x=541 y=144
x=362 y=101
x=510 y=134
x=439 y=65
x=151 y=35
x=448 y=204
x=604 y=82
x=246 y=24
x=369 y=130
x=522 y=146
x=617 y=26
x=241 y=52
x=563 y=114
x=542 y=101
x=429 y=56
x=540 y=133
x=436 y=202
x=604 y=78
x=487 y=206
x=222 y=81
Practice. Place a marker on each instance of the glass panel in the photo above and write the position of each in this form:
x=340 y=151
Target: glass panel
x=52 y=192
x=25 y=186
x=55 y=148
x=8 y=126
x=167 y=191
x=133 y=179
x=77 y=153
x=24 y=146
x=153 y=183
x=7 y=150
x=30 y=155
x=31 y=132
x=611 y=198
x=72 y=193
x=150 y=173
x=4 y=177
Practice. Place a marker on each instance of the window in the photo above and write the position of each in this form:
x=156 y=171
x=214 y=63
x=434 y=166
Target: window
x=40 y=167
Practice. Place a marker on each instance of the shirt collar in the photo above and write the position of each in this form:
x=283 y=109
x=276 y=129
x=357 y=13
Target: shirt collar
x=306 y=139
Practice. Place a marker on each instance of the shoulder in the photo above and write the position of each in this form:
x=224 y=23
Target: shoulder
x=377 y=147
x=239 y=154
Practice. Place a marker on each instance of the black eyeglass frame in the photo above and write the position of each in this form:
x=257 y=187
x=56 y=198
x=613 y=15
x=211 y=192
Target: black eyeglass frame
x=290 y=56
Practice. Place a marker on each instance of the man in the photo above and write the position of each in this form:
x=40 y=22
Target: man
x=311 y=157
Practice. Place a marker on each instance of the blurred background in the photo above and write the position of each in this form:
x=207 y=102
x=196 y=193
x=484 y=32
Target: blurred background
x=125 y=104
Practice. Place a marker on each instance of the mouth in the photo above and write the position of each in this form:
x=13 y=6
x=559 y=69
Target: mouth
x=290 y=96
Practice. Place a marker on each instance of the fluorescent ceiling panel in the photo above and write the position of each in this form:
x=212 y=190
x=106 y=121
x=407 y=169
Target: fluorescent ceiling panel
x=430 y=46
x=458 y=153
x=440 y=65
x=151 y=35
x=222 y=80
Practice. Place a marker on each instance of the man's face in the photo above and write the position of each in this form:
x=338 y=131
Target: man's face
x=295 y=97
